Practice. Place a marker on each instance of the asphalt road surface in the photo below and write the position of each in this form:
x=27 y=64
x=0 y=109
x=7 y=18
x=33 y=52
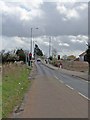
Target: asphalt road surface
x=72 y=82
x=55 y=95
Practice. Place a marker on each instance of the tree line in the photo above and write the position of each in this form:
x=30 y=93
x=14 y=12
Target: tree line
x=18 y=55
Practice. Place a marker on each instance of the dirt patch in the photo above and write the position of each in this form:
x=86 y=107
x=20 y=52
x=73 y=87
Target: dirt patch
x=76 y=66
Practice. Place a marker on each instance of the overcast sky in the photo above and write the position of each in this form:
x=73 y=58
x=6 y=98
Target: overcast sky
x=66 y=23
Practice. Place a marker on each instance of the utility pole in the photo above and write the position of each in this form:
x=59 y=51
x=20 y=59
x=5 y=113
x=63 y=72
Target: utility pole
x=89 y=62
x=30 y=51
x=49 y=46
x=31 y=39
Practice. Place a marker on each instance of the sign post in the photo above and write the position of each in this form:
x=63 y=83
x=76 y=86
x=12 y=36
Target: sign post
x=30 y=59
x=58 y=57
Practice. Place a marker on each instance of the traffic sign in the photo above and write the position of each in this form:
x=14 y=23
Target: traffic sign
x=30 y=54
x=58 y=57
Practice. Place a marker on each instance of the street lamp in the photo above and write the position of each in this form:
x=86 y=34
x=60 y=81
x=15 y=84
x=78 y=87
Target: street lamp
x=49 y=46
x=31 y=37
x=30 y=52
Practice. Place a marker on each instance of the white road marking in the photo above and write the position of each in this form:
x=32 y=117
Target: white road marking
x=83 y=96
x=61 y=81
x=85 y=81
x=72 y=88
x=56 y=77
x=69 y=87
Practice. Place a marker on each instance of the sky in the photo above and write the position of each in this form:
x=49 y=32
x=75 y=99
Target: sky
x=65 y=23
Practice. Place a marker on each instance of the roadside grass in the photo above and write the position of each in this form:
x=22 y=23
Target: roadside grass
x=15 y=83
x=0 y=95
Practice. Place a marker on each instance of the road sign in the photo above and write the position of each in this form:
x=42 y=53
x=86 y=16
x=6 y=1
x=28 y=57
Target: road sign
x=30 y=56
x=58 y=57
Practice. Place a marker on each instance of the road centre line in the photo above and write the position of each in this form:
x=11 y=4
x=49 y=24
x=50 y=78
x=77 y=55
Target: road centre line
x=72 y=88
x=83 y=96
x=56 y=77
x=69 y=87
x=61 y=81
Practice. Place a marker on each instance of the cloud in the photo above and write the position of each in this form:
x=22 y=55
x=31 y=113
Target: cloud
x=66 y=1
x=63 y=44
x=19 y=17
x=19 y=40
x=46 y=43
x=23 y=11
x=79 y=39
x=10 y=43
x=68 y=13
x=67 y=25
x=71 y=11
x=82 y=7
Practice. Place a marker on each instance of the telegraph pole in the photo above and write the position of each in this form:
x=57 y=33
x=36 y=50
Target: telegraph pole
x=30 y=51
x=89 y=61
x=49 y=46
x=31 y=39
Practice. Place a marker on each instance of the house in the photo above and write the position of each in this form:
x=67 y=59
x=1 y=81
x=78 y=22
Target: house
x=82 y=56
x=77 y=59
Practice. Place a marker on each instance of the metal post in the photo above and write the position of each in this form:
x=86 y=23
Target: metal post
x=31 y=39
x=49 y=46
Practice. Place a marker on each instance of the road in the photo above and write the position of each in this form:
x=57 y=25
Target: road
x=55 y=95
x=75 y=83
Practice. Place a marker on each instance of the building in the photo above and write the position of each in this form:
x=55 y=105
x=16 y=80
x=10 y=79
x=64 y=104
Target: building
x=82 y=56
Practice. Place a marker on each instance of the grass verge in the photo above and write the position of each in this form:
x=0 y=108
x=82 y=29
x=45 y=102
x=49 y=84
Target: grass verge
x=0 y=95
x=15 y=83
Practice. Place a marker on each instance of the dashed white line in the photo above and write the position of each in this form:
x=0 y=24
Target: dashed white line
x=83 y=96
x=61 y=81
x=86 y=81
x=56 y=77
x=69 y=87
x=72 y=88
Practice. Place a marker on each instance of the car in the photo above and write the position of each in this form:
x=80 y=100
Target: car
x=38 y=60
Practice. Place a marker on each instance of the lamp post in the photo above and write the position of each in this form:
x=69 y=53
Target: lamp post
x=49 y=46
x=30 y=52
x=31 y=38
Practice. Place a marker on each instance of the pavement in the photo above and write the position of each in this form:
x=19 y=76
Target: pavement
x=49 y=98
x=83 y=75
